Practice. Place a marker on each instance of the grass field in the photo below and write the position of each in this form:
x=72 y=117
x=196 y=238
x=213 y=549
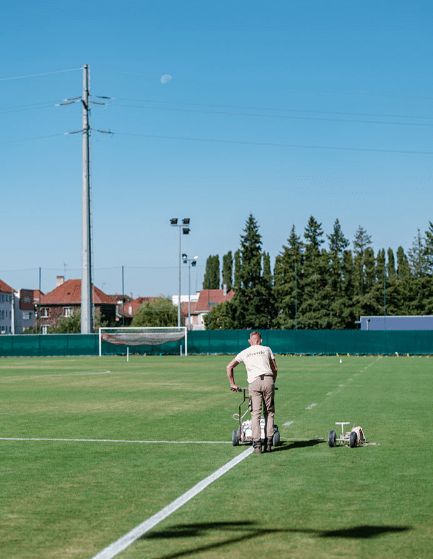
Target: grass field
x=94 y=478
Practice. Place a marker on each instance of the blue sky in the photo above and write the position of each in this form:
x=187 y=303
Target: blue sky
x=282 y=109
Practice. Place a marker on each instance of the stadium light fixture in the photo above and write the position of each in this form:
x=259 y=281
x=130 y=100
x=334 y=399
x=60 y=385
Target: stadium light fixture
x=185 y=231
x=190 y=262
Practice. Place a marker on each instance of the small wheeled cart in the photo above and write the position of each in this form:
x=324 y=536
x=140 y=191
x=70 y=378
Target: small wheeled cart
x=244 y=434
x=353 y=437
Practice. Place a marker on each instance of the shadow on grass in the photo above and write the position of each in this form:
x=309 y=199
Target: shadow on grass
x=252 y=530
x=291 y=445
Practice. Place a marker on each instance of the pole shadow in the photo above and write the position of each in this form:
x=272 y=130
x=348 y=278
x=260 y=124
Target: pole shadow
x=252 y=530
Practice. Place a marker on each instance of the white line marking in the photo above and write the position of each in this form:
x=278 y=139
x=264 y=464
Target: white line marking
x=310 y=406
x=129 y=538
x=329 y=393
x=341 y=385
x=111 y=441
x=287 y=423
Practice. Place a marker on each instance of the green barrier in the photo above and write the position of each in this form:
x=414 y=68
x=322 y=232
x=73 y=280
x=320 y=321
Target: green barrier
x=326 y=342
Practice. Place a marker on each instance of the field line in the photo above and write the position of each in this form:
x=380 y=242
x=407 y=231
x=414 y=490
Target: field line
x=109 y=441
x=129 y=538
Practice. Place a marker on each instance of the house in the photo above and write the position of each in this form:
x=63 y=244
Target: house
x=6 y=312
x=193 y=313
x=207 y=300
x=17 y=312
x=65 y=299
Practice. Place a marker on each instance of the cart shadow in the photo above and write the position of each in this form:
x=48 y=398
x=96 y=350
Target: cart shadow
x=291 y=445
x=252 y=530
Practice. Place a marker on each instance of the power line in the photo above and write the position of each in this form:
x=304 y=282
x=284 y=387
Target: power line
x=271 y=86
x=37 y=75
x=292 y=117
x=244 y=107
x=271 y=144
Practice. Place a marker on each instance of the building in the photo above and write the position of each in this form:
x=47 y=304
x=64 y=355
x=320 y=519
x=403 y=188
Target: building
x=5 y=308
x=65 y=299
x=207 y=300
x=408 y=322
x=17 y=312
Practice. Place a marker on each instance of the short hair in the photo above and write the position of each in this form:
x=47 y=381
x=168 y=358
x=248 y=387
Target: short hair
x=255 y=335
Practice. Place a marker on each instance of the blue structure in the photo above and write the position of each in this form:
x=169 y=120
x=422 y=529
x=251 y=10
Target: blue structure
x=397 y=322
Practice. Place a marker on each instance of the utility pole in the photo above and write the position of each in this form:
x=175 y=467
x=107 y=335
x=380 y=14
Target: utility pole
x=86 y=252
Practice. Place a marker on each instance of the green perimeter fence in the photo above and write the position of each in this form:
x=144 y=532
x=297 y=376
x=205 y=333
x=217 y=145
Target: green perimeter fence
x=327 y=342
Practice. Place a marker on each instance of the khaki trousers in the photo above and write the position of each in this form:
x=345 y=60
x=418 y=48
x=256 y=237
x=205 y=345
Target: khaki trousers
x=261 y=390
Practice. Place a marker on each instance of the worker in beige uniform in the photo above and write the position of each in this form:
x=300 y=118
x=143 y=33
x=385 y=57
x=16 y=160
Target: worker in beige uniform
x=262 y=372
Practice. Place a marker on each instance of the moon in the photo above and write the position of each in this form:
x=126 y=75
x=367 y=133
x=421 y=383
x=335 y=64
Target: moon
x=166 y=78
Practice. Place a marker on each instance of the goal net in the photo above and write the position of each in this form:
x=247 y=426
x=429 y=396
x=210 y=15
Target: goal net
x=163 y=339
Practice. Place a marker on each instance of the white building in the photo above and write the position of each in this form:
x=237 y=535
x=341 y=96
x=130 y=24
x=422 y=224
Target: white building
x=17 y=312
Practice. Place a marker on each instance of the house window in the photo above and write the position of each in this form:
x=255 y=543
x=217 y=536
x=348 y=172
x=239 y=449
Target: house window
x=44 y=329
x=45 y=312
x=67 y=311
x=27 y=315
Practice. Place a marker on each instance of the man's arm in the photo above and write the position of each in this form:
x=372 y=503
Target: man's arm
x=233 y=363
x=274 y=367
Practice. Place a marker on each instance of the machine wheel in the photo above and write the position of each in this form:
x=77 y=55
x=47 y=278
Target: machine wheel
x=276 y=439
x=353 y=440
x=332 y=438
x=235 y=438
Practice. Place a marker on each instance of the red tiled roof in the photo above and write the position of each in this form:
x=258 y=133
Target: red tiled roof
x=136 y=304
x=36 y=294
x=69 y=293
x=184 y=308
x=4 y=287
x=211 y=297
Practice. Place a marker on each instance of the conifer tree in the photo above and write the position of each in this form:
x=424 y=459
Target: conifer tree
x=228 y=271
x=252 y=303
x=339 y=302
x=314 y=309
x=287 y=274
x=212 y=274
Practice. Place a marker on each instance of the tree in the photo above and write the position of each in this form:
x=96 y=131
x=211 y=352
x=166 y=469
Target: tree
x=287 y=272
x=340 y=302
x=212 y=275
x=72 y=324
x=156 y=312
x=253 y=300
x=220 y=317
x=314 y=309
x=228 y=270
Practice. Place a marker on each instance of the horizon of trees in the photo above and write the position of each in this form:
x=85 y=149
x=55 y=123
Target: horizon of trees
x=319 y=286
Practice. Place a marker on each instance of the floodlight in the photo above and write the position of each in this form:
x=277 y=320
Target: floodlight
x=173 y=221
x=186 y=221
x=185 y=230
x=193 y=263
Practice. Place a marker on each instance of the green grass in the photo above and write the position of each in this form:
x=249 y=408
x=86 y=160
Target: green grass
x=304 y=500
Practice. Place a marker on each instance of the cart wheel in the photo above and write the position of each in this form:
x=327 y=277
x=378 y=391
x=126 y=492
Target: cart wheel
x=332 y=438
x=352 y=440
x=276 y=439
x=235 y=438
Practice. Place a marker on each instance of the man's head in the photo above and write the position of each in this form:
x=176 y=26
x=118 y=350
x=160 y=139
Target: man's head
x=255 y=338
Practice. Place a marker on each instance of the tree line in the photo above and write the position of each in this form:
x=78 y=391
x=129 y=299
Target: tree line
x=318 y=287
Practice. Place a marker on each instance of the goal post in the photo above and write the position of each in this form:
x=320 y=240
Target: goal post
x=162 y=338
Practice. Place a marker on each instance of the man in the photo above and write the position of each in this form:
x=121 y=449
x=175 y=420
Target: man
x=262 y=372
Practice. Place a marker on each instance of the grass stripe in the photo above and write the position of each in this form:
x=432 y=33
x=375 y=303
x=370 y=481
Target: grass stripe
x=111 y=441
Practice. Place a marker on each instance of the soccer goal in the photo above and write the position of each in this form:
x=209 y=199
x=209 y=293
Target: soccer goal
x=162 y=339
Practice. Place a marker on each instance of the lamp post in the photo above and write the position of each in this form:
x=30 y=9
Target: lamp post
x=185 y=231
x=190 y=262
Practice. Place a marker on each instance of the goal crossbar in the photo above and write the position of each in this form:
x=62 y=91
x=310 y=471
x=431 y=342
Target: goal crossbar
x=142 y=335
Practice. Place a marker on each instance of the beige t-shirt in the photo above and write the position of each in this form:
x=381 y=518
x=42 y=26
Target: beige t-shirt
x=257 y=361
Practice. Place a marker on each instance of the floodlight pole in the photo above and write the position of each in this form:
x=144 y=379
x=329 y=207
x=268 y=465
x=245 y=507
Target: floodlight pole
x=86 y=258
x=190 y=262
x=185 y=230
